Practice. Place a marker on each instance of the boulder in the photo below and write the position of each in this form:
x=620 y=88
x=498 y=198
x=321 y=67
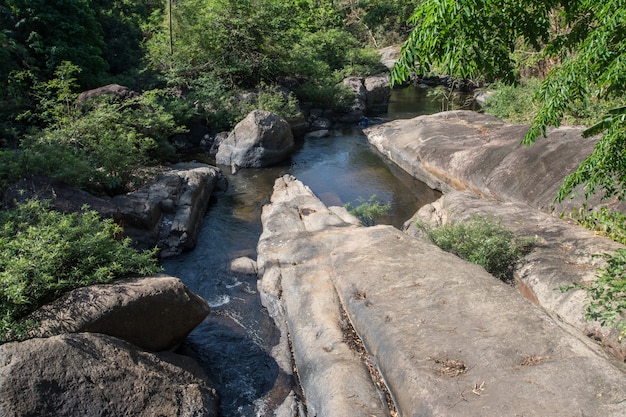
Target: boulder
x=389 y=56
x=371 y=96
x=168 y=212
x=113 y=90
x=403 y=320
x=261 y=139
x=378 y=91
x=97 y=375
x=243 y=265
x=153 y=313
x=358 y=109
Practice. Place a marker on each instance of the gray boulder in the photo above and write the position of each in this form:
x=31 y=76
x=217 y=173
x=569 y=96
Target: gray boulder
x=168 y=212
x=378 y=91
x=371 y=95
x=261 y=139
x=153 y=313
x=97 y=375
x=113 y=90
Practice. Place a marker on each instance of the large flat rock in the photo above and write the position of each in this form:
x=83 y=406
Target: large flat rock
x=464 y=150
x=448 y=338
x=563 y=254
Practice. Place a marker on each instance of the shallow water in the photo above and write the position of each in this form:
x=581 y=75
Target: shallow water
x=233 y=343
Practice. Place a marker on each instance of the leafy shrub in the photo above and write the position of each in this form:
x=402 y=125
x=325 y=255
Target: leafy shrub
x=483 y=241
x=44 y=253
x=368 y=210
x=273 y=99
x=514 y=103
x=325 y=95
x=608 y=293
x=611 y=224
x=101 y=149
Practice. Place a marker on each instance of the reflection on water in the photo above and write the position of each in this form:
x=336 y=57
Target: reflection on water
x=234 y=342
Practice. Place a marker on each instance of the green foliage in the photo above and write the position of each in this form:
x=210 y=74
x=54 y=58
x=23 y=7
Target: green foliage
x=483 y=241
x=43 y=34
x=97 y=146
x=611 y=224
x=607 y=295
x=44 y=253
x=513 y=103
x=470 y=38
x=380 y=22
x=317 y=55
x=368 y=211
x=326 y=96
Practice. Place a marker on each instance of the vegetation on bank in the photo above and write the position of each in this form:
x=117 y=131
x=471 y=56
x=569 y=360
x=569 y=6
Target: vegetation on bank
x=44 y=253
x=582 y=41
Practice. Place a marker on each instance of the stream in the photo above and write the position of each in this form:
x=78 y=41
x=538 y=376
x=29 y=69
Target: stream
x=233 y=342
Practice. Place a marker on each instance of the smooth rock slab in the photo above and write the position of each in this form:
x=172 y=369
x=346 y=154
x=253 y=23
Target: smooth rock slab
x=448 y=338
x=563 y=253
x=464 y=150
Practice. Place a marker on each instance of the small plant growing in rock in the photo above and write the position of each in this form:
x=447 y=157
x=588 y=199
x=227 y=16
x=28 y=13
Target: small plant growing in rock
x=368 y=210
x=483 y=241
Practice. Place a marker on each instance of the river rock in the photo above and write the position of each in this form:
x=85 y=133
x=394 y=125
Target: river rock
x=378 y=91
x=153 y=313
x=464 y=150
x=97 y=375
x=168 y=212
x=243 y=265
x=447 y=338
x=371 y=94
x=261 y=139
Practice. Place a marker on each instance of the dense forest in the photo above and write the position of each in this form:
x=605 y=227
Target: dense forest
x=192 y=61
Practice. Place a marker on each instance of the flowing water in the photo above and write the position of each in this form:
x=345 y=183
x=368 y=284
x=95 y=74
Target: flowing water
x=233 y=343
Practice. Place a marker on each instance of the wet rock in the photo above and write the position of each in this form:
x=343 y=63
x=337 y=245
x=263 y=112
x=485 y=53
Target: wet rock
x=93 y=375
x=243 y=265
x=153 y=313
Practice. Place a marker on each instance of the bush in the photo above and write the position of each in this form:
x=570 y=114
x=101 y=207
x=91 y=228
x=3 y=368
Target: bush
x=368 y=211
x=101 y=149
x=514 y=104
x=44 y=253
x=323 y=95
x=482 y=241
x=608 y=293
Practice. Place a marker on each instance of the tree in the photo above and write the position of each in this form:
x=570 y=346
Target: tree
x=476 y=38
x=50 y=32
